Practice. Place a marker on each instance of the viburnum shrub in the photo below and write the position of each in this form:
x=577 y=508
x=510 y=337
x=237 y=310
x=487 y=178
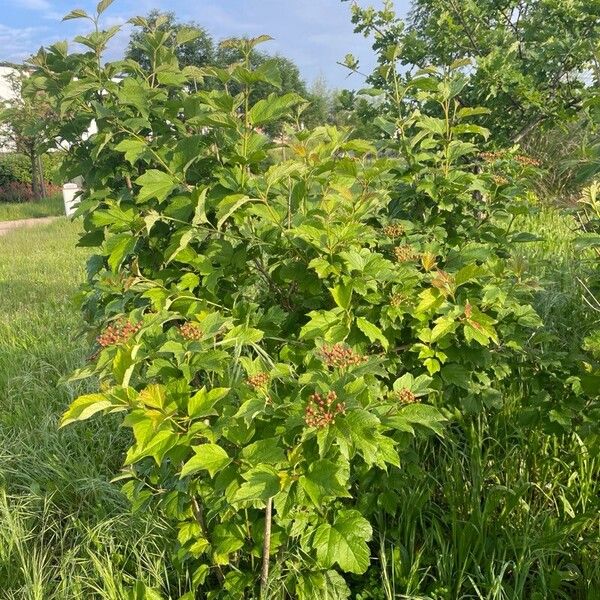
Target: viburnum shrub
x=277 y=318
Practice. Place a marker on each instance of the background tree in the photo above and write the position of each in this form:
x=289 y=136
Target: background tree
x=26 y=123
x=321 y=107
x=532 y=61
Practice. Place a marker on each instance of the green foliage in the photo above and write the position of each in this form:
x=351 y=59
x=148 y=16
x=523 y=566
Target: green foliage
x=14 y=167
x=279 y=321
x=192 y=44
x=27 y=124
x=531 y=62
x=49 y=207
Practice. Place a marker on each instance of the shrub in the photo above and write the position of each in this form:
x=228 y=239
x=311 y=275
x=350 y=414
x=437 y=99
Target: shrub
x=278 y=321
x=16 y=191
x=14 y=167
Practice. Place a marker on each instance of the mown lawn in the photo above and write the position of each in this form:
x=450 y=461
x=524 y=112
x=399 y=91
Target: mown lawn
x=49 y=207
x=495 y=508
x=65 y=531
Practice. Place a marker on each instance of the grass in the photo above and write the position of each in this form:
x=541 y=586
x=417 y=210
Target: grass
x=65 y=530
x=496 y=511
x=49 y=207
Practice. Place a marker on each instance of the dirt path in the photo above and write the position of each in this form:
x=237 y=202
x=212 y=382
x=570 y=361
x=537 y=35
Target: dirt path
x=6 y=226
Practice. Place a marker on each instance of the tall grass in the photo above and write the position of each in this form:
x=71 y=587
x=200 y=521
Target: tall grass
x=48 y=207
x=498 y=510
x=65 y=530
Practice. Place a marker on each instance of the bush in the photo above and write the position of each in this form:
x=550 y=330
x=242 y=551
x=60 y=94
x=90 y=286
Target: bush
x=278 y=322
x=14 y=167
x=16 y=192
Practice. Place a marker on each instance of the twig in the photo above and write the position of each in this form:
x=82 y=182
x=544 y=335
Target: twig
x=264 y=575
x=199 y=516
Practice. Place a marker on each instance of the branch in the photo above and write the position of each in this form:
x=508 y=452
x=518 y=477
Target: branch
x=264 y=575
x=199 y=516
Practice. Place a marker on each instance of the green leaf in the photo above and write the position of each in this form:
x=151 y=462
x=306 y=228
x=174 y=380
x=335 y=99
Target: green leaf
x=186 y=35
x=273 y=108
x=156 y=447
x=199 y=198
x=78 y=13
x=153 y=396
x=85 y=407
x=209 y=457
x=424 y=415
x=431 y=299
x=389 y=127
x=133 y=149
x=242 y=335
x=270 y=73
x=372 y=332
x=472 y=129
x=479 y=327
x=103 y=5
x=201 y=404
x=229 y=205
x=322 y=480
x=179 y=242
x=321 y=322
x=118 y=247
x=155 y=184
x=261 y=483
x=344 y=542
x=467 y=273
x=444 y=325
x=266 y=451
x=342 y=294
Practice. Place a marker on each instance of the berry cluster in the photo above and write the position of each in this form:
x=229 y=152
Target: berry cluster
x=398 y=300
x=499 y=180
x=258 y=381
x=393 y=231
x=526 y=161
x=491 y=156
x=405 y=396
x=118 y=333
x=405 y=253
x=191 y=332
x=340 y=356
x=321 y=412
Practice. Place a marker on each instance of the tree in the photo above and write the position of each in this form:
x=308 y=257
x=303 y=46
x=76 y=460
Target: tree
x=198 y=52
x=321 y=106
x=25 y=122
x=530 y=61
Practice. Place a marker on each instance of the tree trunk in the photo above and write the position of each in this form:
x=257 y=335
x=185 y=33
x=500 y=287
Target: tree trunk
x=34 y=175
x=41 y=180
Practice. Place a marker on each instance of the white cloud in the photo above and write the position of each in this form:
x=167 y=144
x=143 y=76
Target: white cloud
x=19 y=43
x=34 y=4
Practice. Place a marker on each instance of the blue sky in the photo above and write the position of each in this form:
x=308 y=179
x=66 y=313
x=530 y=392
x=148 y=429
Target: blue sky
x=314 y=33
